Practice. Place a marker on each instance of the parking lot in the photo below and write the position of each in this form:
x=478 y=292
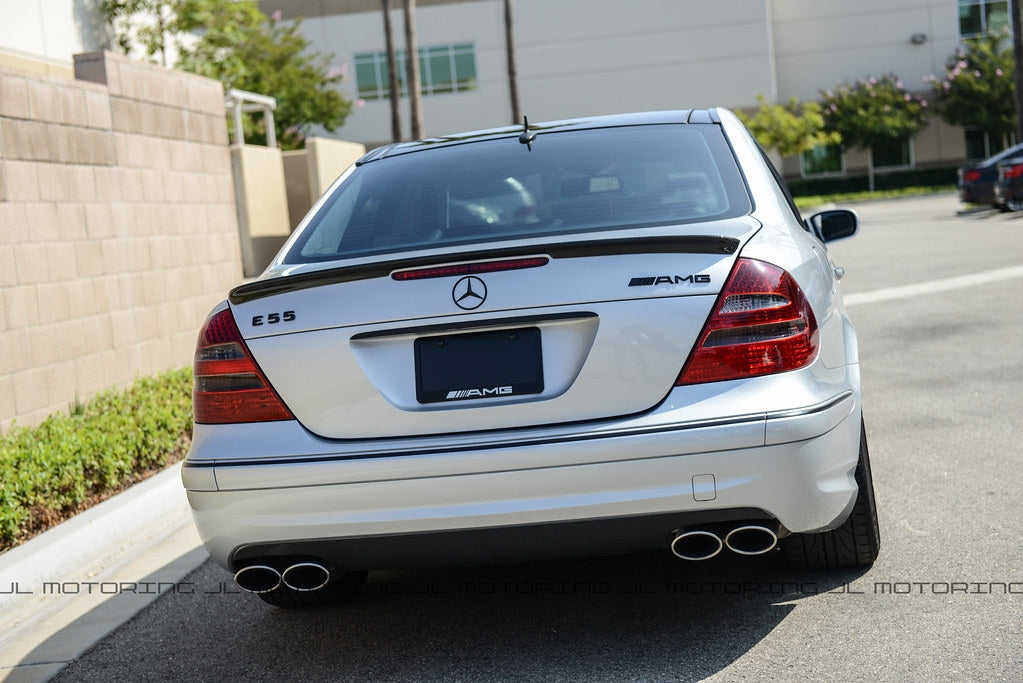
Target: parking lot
x=935 y=295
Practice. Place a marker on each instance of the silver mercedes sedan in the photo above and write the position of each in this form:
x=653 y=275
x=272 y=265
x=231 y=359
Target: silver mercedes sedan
x=591 y=336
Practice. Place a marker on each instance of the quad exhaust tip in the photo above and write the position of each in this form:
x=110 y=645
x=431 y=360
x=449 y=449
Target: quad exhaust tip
x=257 y=578
x=301 y=576
x=306 y=576
x=700 y=544
x=752 y=539
x=696 y=545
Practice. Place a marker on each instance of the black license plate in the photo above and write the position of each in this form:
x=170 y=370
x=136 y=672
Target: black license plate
x=478 y=365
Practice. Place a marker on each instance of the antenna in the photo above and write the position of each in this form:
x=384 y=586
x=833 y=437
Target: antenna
x=527 y=136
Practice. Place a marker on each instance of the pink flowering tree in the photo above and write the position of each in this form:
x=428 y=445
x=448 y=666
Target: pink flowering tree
x=873 y=112
x=977 y=89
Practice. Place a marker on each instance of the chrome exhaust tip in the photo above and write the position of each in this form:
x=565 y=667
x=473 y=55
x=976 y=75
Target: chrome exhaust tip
x=752 y=539
x=257 y=578
x=306 y=576
x=696 y=545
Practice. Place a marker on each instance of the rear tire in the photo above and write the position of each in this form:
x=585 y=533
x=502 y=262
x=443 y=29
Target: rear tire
x=339 y=591
x=855 y=543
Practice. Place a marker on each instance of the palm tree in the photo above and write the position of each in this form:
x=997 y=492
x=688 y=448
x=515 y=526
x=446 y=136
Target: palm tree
x=513 y=76
x=1017 y=46
x=392 y=73
x=412 y=70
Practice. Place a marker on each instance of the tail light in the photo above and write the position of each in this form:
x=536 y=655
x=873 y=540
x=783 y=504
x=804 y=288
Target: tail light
x=971 y=176
x=762 y=324
x=1013 y=172
x=229 y=386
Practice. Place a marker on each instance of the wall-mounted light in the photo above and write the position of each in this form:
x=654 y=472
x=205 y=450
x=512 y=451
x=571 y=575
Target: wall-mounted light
x=918 y=38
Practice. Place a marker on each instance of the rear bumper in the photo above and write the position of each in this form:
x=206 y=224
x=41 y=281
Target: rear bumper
x=977 y=193
x=1010 y=192
x=610 y=488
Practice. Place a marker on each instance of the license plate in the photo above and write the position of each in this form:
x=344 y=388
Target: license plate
x=478 y=365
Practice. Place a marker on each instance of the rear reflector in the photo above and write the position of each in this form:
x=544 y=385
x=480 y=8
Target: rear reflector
x=470 y=268
x=762 y=324
x=229 y=386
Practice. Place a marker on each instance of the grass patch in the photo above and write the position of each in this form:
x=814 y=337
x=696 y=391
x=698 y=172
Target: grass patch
x=71 y=461
x=809 y=201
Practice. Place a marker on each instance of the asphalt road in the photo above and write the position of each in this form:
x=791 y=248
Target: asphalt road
x=942 y=369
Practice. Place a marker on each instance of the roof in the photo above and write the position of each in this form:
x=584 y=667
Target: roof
x=692 y=116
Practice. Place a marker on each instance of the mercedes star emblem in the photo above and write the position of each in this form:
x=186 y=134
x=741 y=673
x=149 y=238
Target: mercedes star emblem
x=469 y=293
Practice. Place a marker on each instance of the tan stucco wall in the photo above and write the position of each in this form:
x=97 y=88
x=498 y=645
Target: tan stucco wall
x=309 y=172
x=11 y=60
x=262 y=204
x=327 y=160
x=117 y=227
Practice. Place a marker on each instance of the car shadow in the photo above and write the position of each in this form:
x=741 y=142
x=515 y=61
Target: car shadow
x=978 y=211
x=641 y=616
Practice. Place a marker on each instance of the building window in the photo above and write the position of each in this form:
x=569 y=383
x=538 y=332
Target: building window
x=442 y=69
x=898 y=154
x=977 y=17
x=980 y=145
x=823 y=160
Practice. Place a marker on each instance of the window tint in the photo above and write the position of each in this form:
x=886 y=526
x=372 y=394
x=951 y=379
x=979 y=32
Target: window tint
x=571 y=182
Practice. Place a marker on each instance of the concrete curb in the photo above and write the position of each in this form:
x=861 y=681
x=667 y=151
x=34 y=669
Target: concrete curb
x=94 y=540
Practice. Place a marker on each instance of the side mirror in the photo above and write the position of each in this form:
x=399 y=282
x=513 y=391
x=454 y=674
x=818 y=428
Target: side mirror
x=834 y=224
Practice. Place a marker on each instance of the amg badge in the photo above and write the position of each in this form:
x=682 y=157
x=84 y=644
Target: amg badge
x=478 y=393
x=701 y=279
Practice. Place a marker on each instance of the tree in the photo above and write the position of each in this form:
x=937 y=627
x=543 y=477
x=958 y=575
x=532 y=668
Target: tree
x=392 y=73
x=142 y=23
x=241 y=47
x=977 y=89
x=873 y=112
x=413 y=82
x=513 y=72
x=1017 y=50
x=790 y=129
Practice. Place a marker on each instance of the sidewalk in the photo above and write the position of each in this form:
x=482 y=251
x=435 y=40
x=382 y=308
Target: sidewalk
x=65 y=590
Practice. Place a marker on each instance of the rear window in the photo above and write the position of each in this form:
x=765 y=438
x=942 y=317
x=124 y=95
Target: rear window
x=494 y=190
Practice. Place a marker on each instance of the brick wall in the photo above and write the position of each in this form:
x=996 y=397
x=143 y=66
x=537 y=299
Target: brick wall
x=117 y=227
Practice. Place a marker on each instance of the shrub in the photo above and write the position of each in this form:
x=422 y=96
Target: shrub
x=55 y=469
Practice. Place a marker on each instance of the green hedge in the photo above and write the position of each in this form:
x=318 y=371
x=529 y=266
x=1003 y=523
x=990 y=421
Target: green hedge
x=52 y=470
x=931 y=177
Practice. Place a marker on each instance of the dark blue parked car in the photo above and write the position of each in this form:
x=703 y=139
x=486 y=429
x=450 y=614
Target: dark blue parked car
x=977 y=181
x=1009 y=185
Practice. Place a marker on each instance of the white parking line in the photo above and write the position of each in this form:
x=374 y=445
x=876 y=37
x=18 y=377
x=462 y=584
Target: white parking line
x=933 y=286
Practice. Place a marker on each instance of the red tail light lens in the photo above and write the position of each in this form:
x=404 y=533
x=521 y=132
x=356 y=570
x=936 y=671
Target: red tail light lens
x=762 y=324
x=1013 y=172
x=229 y=386
x=971 y=176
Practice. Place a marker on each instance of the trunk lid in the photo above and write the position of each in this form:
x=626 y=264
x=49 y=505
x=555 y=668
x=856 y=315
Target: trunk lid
x=524 y=335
